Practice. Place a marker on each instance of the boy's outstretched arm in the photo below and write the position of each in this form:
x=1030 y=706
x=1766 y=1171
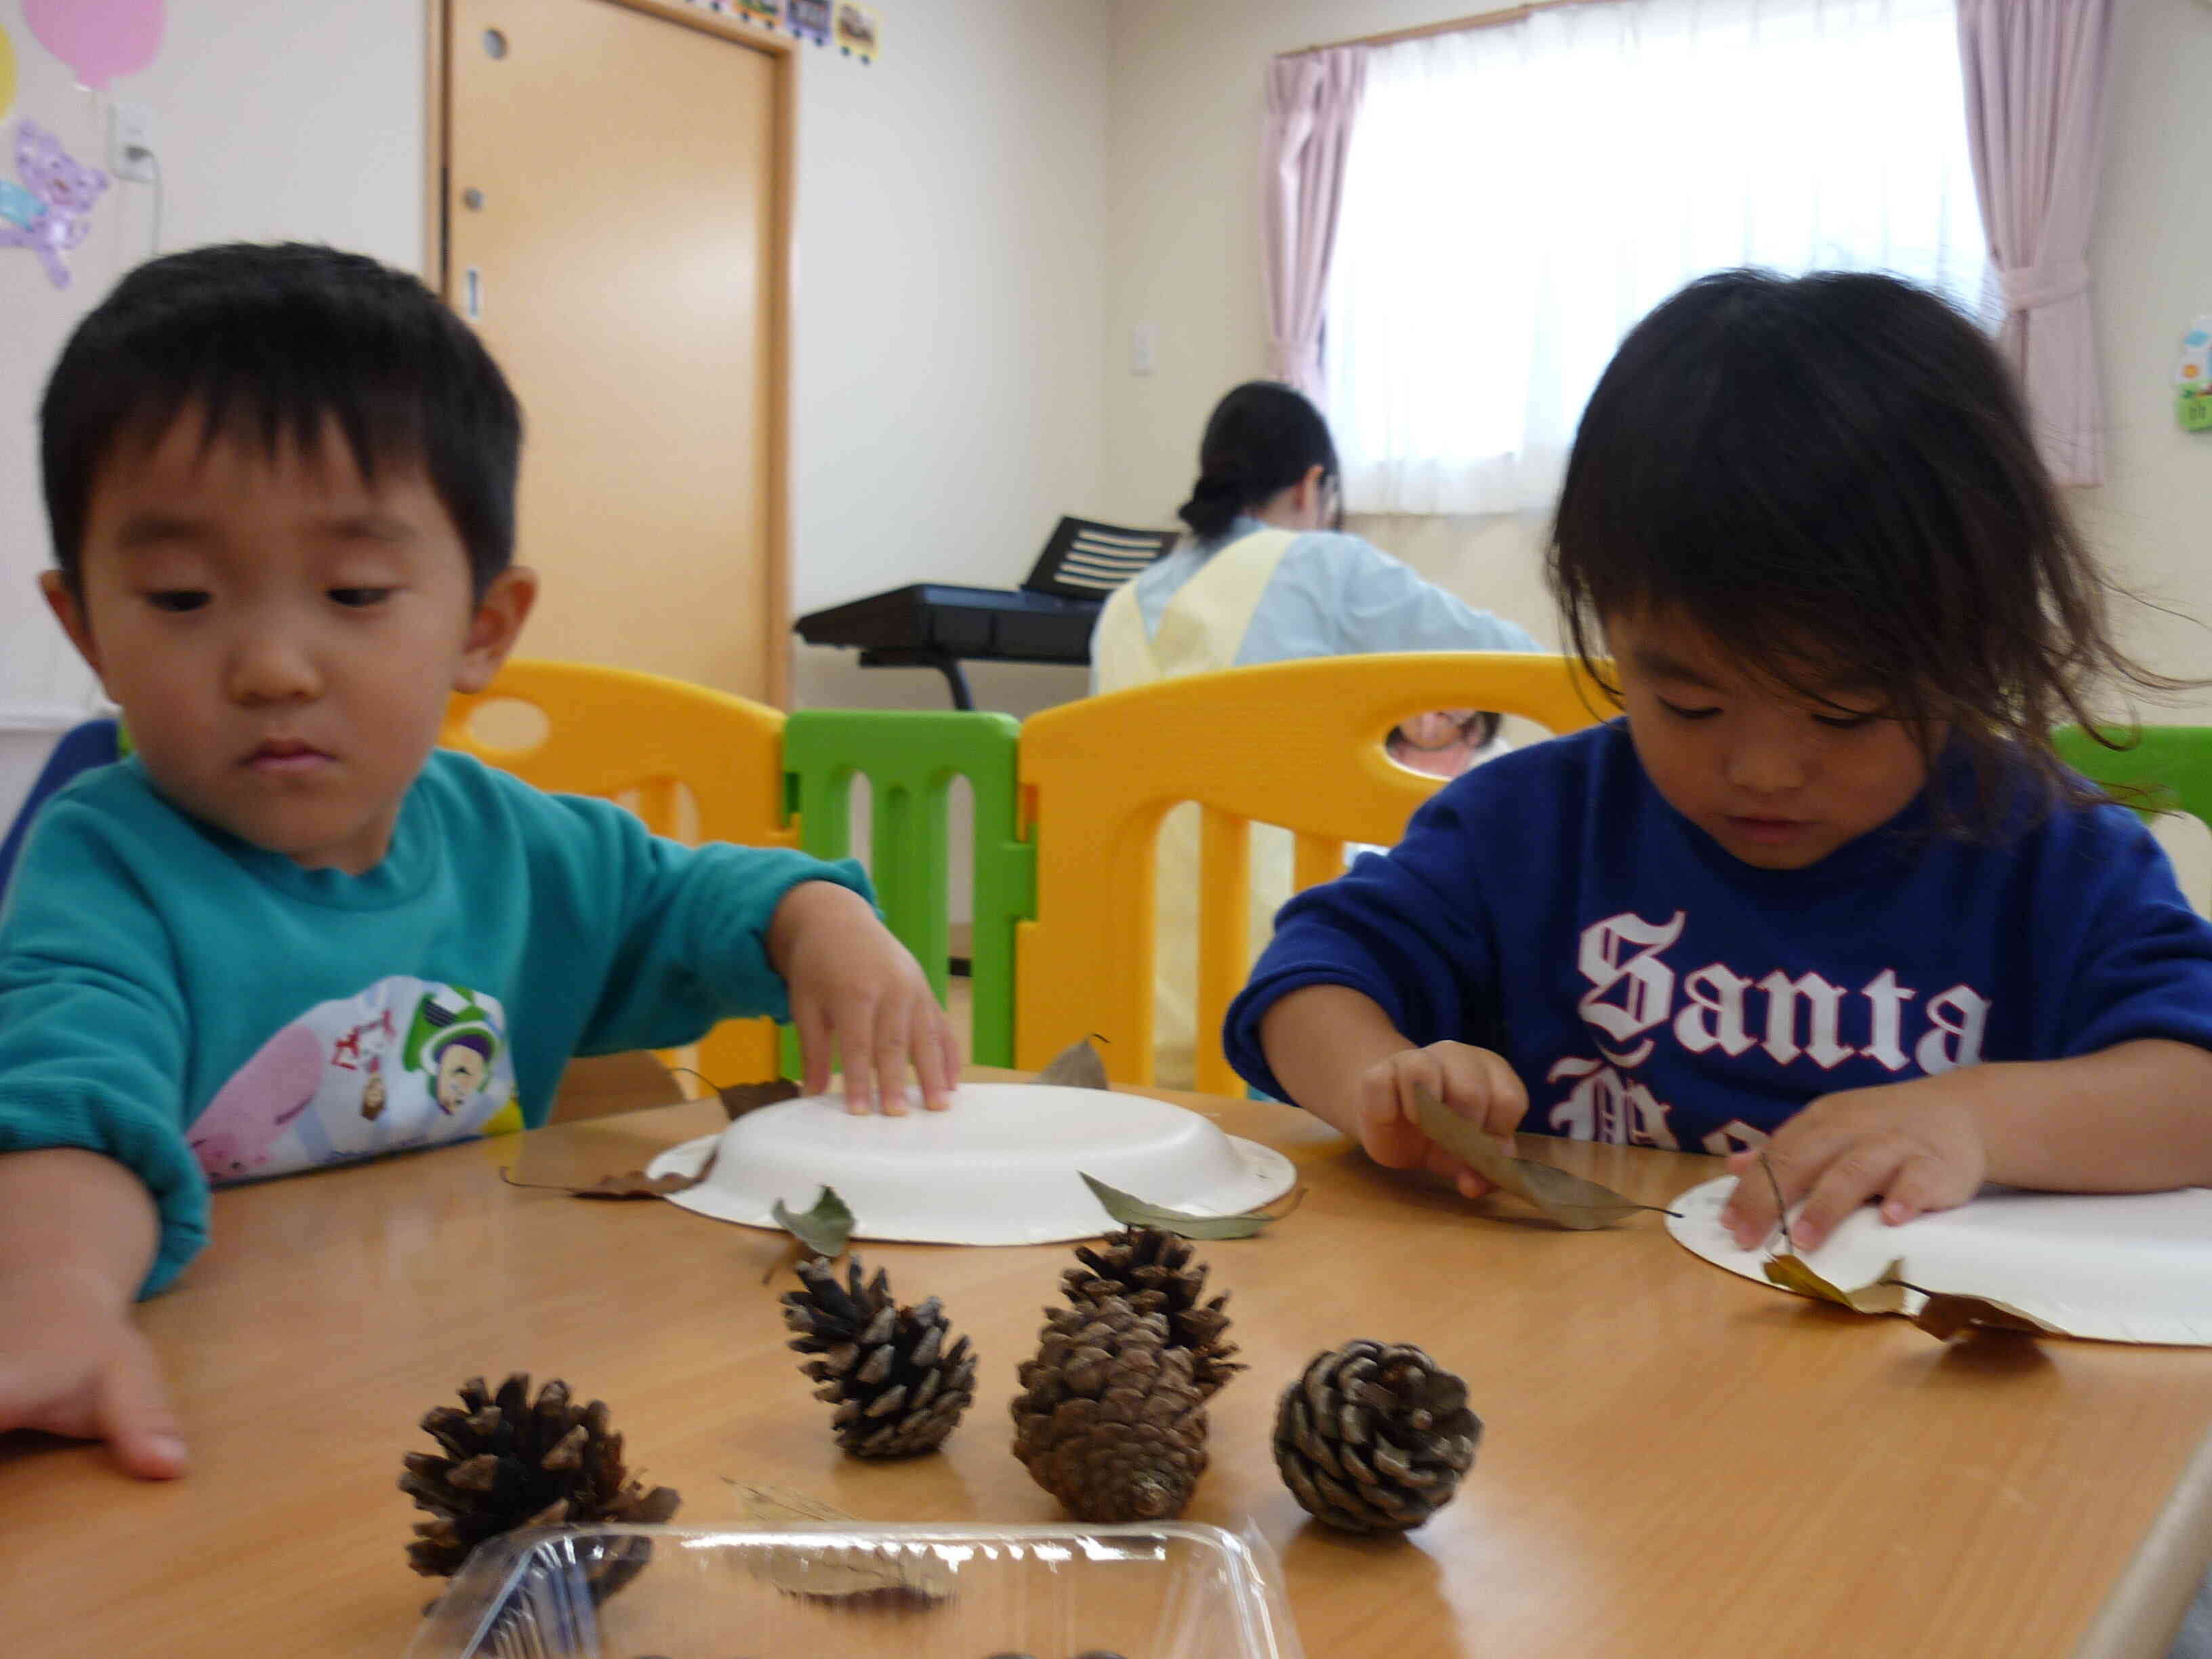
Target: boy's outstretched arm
x=2133 y=1118
x=1336 y=1052
x=77 y=1233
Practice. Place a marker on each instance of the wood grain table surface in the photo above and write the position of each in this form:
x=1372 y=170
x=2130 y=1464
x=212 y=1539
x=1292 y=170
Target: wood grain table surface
x=1676 y=1461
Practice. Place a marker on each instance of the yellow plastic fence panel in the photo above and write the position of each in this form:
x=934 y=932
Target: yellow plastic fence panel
x=1296 y=745
x=697 y=764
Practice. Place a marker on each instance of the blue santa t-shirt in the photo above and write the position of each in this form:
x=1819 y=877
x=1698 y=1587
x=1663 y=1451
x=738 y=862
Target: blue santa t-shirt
x=1651 y=989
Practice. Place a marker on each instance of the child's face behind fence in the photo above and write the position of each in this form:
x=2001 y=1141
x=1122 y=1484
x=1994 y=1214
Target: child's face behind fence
x=1779 y=781
x=281 y=633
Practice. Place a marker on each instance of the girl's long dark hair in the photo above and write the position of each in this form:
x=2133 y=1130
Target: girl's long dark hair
x=1835 y=478
x=1262 y=438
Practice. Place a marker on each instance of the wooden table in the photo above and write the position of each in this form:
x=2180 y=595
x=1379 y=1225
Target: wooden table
x=1677 y=1462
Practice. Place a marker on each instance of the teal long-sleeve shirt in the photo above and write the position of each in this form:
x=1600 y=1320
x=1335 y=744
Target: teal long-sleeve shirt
x=204 y=1010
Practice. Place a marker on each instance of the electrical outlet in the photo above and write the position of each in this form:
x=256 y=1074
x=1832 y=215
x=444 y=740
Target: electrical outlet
x=1144 y=349
x=130 y=144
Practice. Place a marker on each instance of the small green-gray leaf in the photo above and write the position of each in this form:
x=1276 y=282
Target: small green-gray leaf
x=1566 y=1198
x=824 y=1228
x=1133 y=1212
x=1076 y=1068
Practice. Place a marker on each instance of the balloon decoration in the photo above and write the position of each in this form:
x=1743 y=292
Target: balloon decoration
x=98 y=39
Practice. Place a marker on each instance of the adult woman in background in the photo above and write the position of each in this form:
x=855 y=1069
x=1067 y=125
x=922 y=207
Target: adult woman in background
x=1265 y=575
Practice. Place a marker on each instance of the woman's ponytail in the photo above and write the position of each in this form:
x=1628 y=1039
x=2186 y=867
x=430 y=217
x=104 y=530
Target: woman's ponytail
x=1263 y=438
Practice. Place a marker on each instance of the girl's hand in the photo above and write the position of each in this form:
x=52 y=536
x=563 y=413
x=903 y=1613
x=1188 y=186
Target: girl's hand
x=854 y=986
x=1917 y=1145
x=1475 y=1083
x=72 y=1363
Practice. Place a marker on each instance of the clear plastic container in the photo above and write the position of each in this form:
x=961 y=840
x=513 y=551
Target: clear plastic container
x=845 y=1590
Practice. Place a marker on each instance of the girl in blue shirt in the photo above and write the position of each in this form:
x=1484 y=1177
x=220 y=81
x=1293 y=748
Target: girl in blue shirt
x=1825 y=882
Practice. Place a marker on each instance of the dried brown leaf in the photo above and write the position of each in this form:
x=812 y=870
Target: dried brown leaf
x=742 y=1097
x=847 y=1572
x=1567 y=1199
x=1076 y=1067
x=838 y=1573
x=781 y=1505
x=629 y=1184
x=1944 y=1316
x=1886 y=1295
x=1133 y=1212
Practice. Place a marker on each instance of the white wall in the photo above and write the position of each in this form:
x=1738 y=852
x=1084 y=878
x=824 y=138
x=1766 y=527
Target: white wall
x=272 y=119
x=1189 y=103
x=2152 y=260
x=949 y=324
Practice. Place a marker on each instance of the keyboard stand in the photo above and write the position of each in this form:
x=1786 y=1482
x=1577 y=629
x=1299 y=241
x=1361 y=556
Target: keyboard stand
x=888 y=656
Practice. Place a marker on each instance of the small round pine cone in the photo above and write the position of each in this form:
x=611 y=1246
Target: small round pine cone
x=1375 y=1436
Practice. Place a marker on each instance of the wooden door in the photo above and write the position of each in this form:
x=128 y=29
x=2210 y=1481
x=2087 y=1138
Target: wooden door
x=616 y=214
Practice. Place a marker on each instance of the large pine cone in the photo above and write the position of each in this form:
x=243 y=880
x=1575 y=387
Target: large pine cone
x=897 y=1385
x=1109 y=1420
x=1151 y=1268
x=513 y=1463
x=1374 y=1437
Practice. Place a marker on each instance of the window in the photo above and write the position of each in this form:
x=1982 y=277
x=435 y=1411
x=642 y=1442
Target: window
x=1516 y=198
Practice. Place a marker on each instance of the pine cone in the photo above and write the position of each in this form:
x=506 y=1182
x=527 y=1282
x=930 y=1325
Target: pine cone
x=510 y=1463
x=1109 y=1420
x=1374 y=1437
x=1151 y=1268
x=898 y=1387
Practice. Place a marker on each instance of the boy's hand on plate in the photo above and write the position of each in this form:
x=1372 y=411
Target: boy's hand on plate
x=1473 y=1082
x=855 y=987
x=1916 y=1145
x=72 y=1363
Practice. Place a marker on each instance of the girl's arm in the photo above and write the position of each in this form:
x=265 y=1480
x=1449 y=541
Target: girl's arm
x=77 y=1233
x=2135 y=1117
x=1336 y=1052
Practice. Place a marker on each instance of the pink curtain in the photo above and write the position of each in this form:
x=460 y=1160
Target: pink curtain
x=2035 y=72
x=1311 y=101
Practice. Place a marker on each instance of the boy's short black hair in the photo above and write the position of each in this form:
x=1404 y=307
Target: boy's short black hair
x=1835 y=477
x=271 y=341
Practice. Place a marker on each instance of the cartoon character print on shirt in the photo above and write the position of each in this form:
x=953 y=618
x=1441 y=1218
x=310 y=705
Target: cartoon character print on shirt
x=233 y=1136
x=1638 y=999
x=406 y=1063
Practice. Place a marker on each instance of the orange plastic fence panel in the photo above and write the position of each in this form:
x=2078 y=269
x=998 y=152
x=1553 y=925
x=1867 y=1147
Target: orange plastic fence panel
x=1296 y=745
x=1225 y=918
x=693 y=762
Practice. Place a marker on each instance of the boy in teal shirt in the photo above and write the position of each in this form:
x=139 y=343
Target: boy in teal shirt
x=289 y=931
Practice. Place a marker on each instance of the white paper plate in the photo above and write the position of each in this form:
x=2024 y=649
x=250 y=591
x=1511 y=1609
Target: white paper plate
x=1001 y=1167
x=2124 y=1268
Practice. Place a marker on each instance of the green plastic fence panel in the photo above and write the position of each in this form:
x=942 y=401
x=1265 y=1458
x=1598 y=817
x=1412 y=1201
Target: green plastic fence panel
x=910 y=759
x=2170 y=764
